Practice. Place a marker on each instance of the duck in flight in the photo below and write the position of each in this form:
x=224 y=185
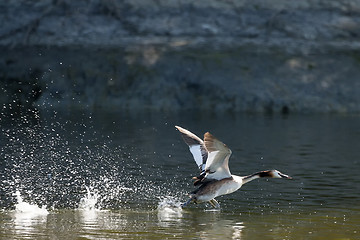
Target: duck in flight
x=212 y=157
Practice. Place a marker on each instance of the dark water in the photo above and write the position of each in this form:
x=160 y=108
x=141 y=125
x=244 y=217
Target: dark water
x=138 y=167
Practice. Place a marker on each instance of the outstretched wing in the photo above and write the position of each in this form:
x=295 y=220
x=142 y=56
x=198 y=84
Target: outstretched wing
x=217 y=164
x=196 y=146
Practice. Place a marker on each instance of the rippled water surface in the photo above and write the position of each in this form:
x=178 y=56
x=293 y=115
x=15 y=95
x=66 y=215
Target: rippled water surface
x=123 y=175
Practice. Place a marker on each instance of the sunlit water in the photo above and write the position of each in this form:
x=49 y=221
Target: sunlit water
x=121 y=175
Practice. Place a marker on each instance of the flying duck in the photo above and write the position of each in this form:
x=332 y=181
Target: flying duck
x=212 y=157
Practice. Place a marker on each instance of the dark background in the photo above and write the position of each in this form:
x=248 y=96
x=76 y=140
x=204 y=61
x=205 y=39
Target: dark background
x=254 y=56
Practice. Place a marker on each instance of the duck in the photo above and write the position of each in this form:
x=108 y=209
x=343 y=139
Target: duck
x=212 y=157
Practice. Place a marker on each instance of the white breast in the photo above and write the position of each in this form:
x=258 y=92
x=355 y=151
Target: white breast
x=228 y=187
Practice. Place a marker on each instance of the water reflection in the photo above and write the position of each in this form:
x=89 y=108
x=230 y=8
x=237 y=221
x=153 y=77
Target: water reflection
x=193 y=223
x=238 y=228
x=222 y=229
x=28 y=224
x=89 y=218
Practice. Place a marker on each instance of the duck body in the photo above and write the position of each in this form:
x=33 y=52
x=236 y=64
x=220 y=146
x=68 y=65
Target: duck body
x=212 y=157
x=214 y=188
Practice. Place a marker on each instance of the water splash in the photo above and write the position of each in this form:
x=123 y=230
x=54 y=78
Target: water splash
x=89 y=201
x=169 y=202
x=26 y=208
x=61 y=159
x=52 y=159
x=89 y=207
x=169 y=210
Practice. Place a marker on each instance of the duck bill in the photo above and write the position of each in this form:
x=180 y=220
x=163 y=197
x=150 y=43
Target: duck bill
x=285 y=176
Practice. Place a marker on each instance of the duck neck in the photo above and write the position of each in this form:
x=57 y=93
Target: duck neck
x=256 y=175
x=238 y=180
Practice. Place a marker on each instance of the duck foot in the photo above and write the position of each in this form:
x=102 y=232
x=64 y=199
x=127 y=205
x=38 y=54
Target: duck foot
x=187 y=202
x=214 y=203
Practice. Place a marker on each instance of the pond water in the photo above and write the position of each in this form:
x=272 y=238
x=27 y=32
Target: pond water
x=122 y=175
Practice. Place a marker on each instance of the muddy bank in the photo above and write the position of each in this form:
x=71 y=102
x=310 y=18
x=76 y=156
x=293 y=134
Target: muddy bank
x=173 y=55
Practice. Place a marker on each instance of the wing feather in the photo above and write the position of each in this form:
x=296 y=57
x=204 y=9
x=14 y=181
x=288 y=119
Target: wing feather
x=196 y=146
x=217 y=164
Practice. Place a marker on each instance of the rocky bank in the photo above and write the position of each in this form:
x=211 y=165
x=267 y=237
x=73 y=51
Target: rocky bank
x=226 y=55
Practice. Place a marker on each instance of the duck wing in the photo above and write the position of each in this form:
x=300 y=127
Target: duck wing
x=196 y=146
x=217 y=164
